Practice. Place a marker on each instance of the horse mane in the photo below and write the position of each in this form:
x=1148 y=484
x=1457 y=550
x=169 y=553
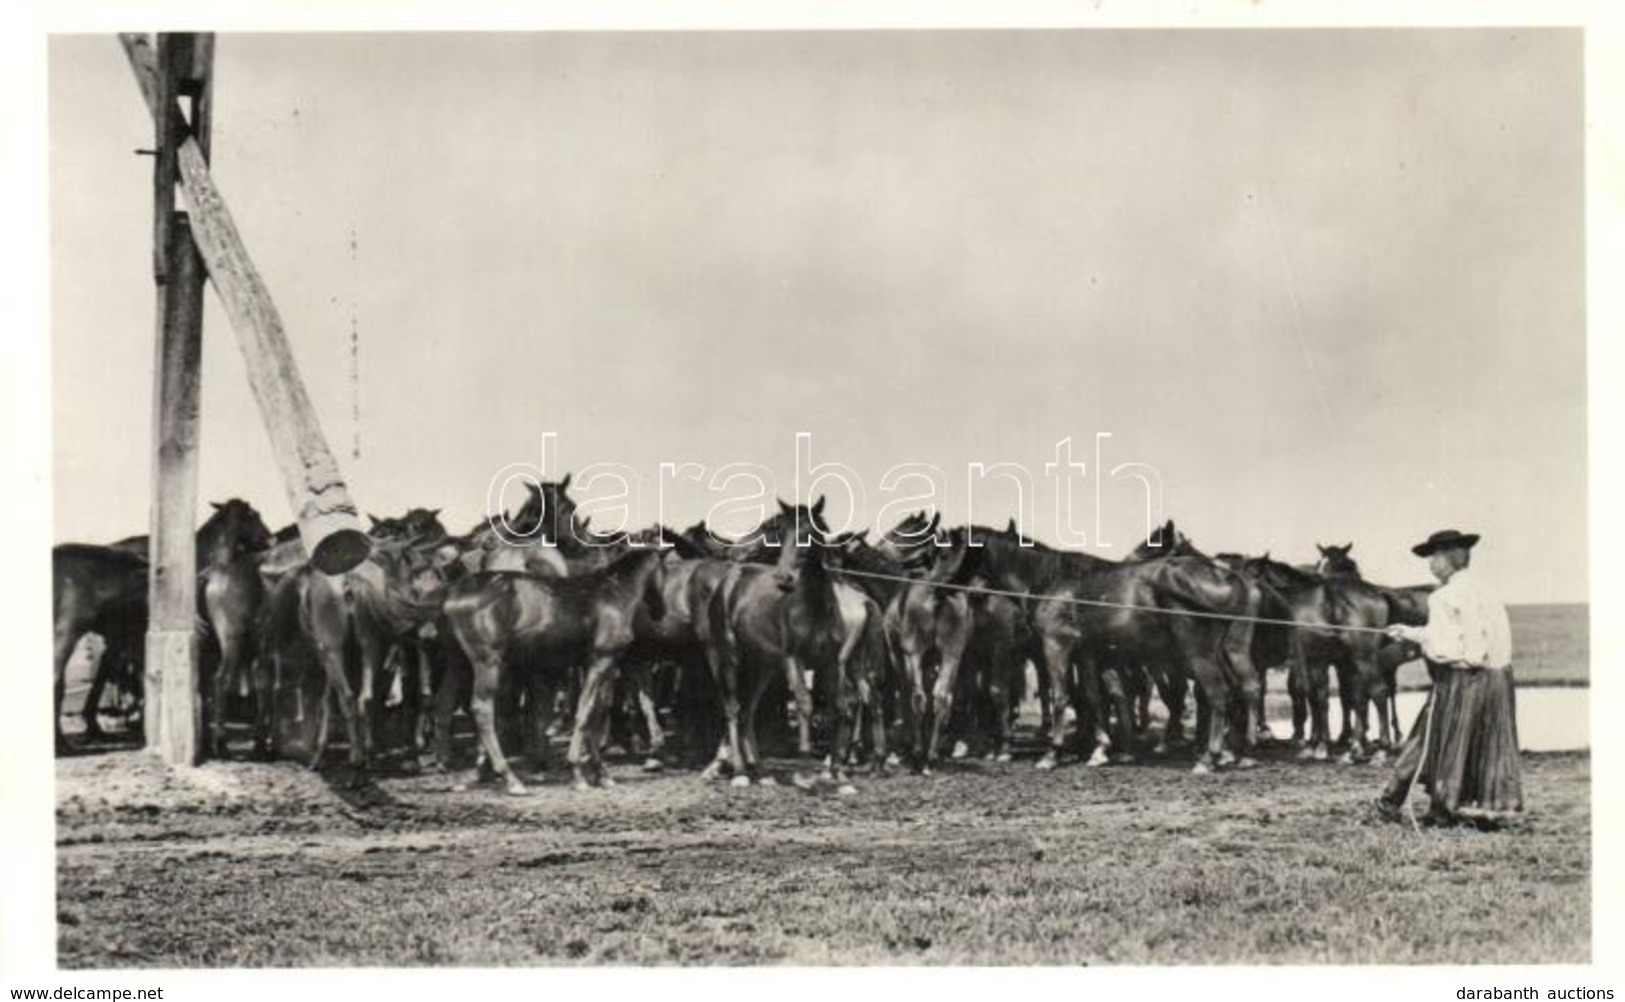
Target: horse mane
x=1048 y=565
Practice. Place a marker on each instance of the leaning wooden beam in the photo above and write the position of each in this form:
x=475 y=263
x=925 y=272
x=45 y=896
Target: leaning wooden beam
x=328 y=523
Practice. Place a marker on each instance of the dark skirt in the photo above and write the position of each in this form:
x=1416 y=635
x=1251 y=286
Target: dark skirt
x=1470 y=764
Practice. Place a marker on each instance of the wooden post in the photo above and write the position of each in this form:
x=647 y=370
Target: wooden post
x=328 y=522
x=173 y=714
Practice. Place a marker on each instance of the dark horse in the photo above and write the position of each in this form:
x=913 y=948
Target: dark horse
x=1108 y=616
x=559 y=622
x=104 y=590
x=1338 y=623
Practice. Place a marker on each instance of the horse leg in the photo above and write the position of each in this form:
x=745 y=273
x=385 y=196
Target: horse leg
x=1093 y=686
x=487 y=670
x=919 y=706
x=642 y=678
x=1244 y=678
x=1057 y=658
x=374 y=651
x=1171 y=687
x=723 y=660
x=752 y=757
x=65 y=640
x=942 y=703
x=1296 y=686
x=998 y=691
x=338 y=687
x=1215 y=692
x=586 y=752
x=98 y=685
x=804 y=708
x=1317 y=678
x=1117 y=695
x=225 y=674
x=263 y=681
x=1377 y=692
x=1356 y=709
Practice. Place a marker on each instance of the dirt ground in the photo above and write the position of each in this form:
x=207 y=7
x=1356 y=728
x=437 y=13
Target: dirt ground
x=246 y=864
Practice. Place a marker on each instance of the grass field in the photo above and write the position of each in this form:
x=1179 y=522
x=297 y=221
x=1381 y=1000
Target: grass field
x=265 y=865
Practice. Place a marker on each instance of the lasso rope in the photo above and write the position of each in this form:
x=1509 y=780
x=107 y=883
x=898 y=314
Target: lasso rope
x=1102 y=603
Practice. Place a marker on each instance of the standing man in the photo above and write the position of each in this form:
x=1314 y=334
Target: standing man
x=1463 y=748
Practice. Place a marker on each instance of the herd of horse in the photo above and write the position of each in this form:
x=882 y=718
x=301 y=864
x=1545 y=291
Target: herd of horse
x=917 y=641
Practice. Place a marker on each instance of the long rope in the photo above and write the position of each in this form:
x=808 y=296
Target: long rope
x=1102 y=603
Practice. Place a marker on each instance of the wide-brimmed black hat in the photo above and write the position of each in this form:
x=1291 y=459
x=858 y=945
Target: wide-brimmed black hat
x=1445 y=539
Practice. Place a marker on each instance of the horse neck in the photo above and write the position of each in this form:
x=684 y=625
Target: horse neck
x=815 y=586
x=215 y=545
x=864 y=557
x=630 y=574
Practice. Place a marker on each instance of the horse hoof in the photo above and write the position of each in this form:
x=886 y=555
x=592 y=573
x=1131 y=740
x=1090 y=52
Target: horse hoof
x=847 y=790
x=767 y=781
x=1320 y=754
x=739 y=782
x=892 y=761
x=1160 y=748
x=1246 y=763
x=1126 y=758
x=1004 y=757
x=653 y=765
x=1046 y=763
x=1098 y=759
x=1201 y=769
x=516 y=788
x=961 y=749
x=578 y=785
x=1379 y=759
x=1347 y=758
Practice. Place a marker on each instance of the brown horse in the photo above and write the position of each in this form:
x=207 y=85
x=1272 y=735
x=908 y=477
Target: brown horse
x=563 y=621
x=232 y=594
x=928 y=626
x=385 y=600
x=785 y=619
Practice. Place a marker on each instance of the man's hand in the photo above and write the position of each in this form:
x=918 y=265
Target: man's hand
x=1398 y=631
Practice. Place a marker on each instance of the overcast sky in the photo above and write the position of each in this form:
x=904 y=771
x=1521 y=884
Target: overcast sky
x=1329 y=284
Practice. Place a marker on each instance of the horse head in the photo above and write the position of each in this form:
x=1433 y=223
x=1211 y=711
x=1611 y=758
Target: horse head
x=802 y=538
x=417 y=525
x=1335 y=561
x=234 y=528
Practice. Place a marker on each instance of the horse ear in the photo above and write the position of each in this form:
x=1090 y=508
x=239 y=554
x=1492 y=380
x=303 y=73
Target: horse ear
x=785 y=508
x=375 y=519
x=217 y=506
x=566 y=481
x=1011 y=528
x=818 y=506
x=1346 y=548
x=434 y=512
x=936 y=522
x=1322 y=549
